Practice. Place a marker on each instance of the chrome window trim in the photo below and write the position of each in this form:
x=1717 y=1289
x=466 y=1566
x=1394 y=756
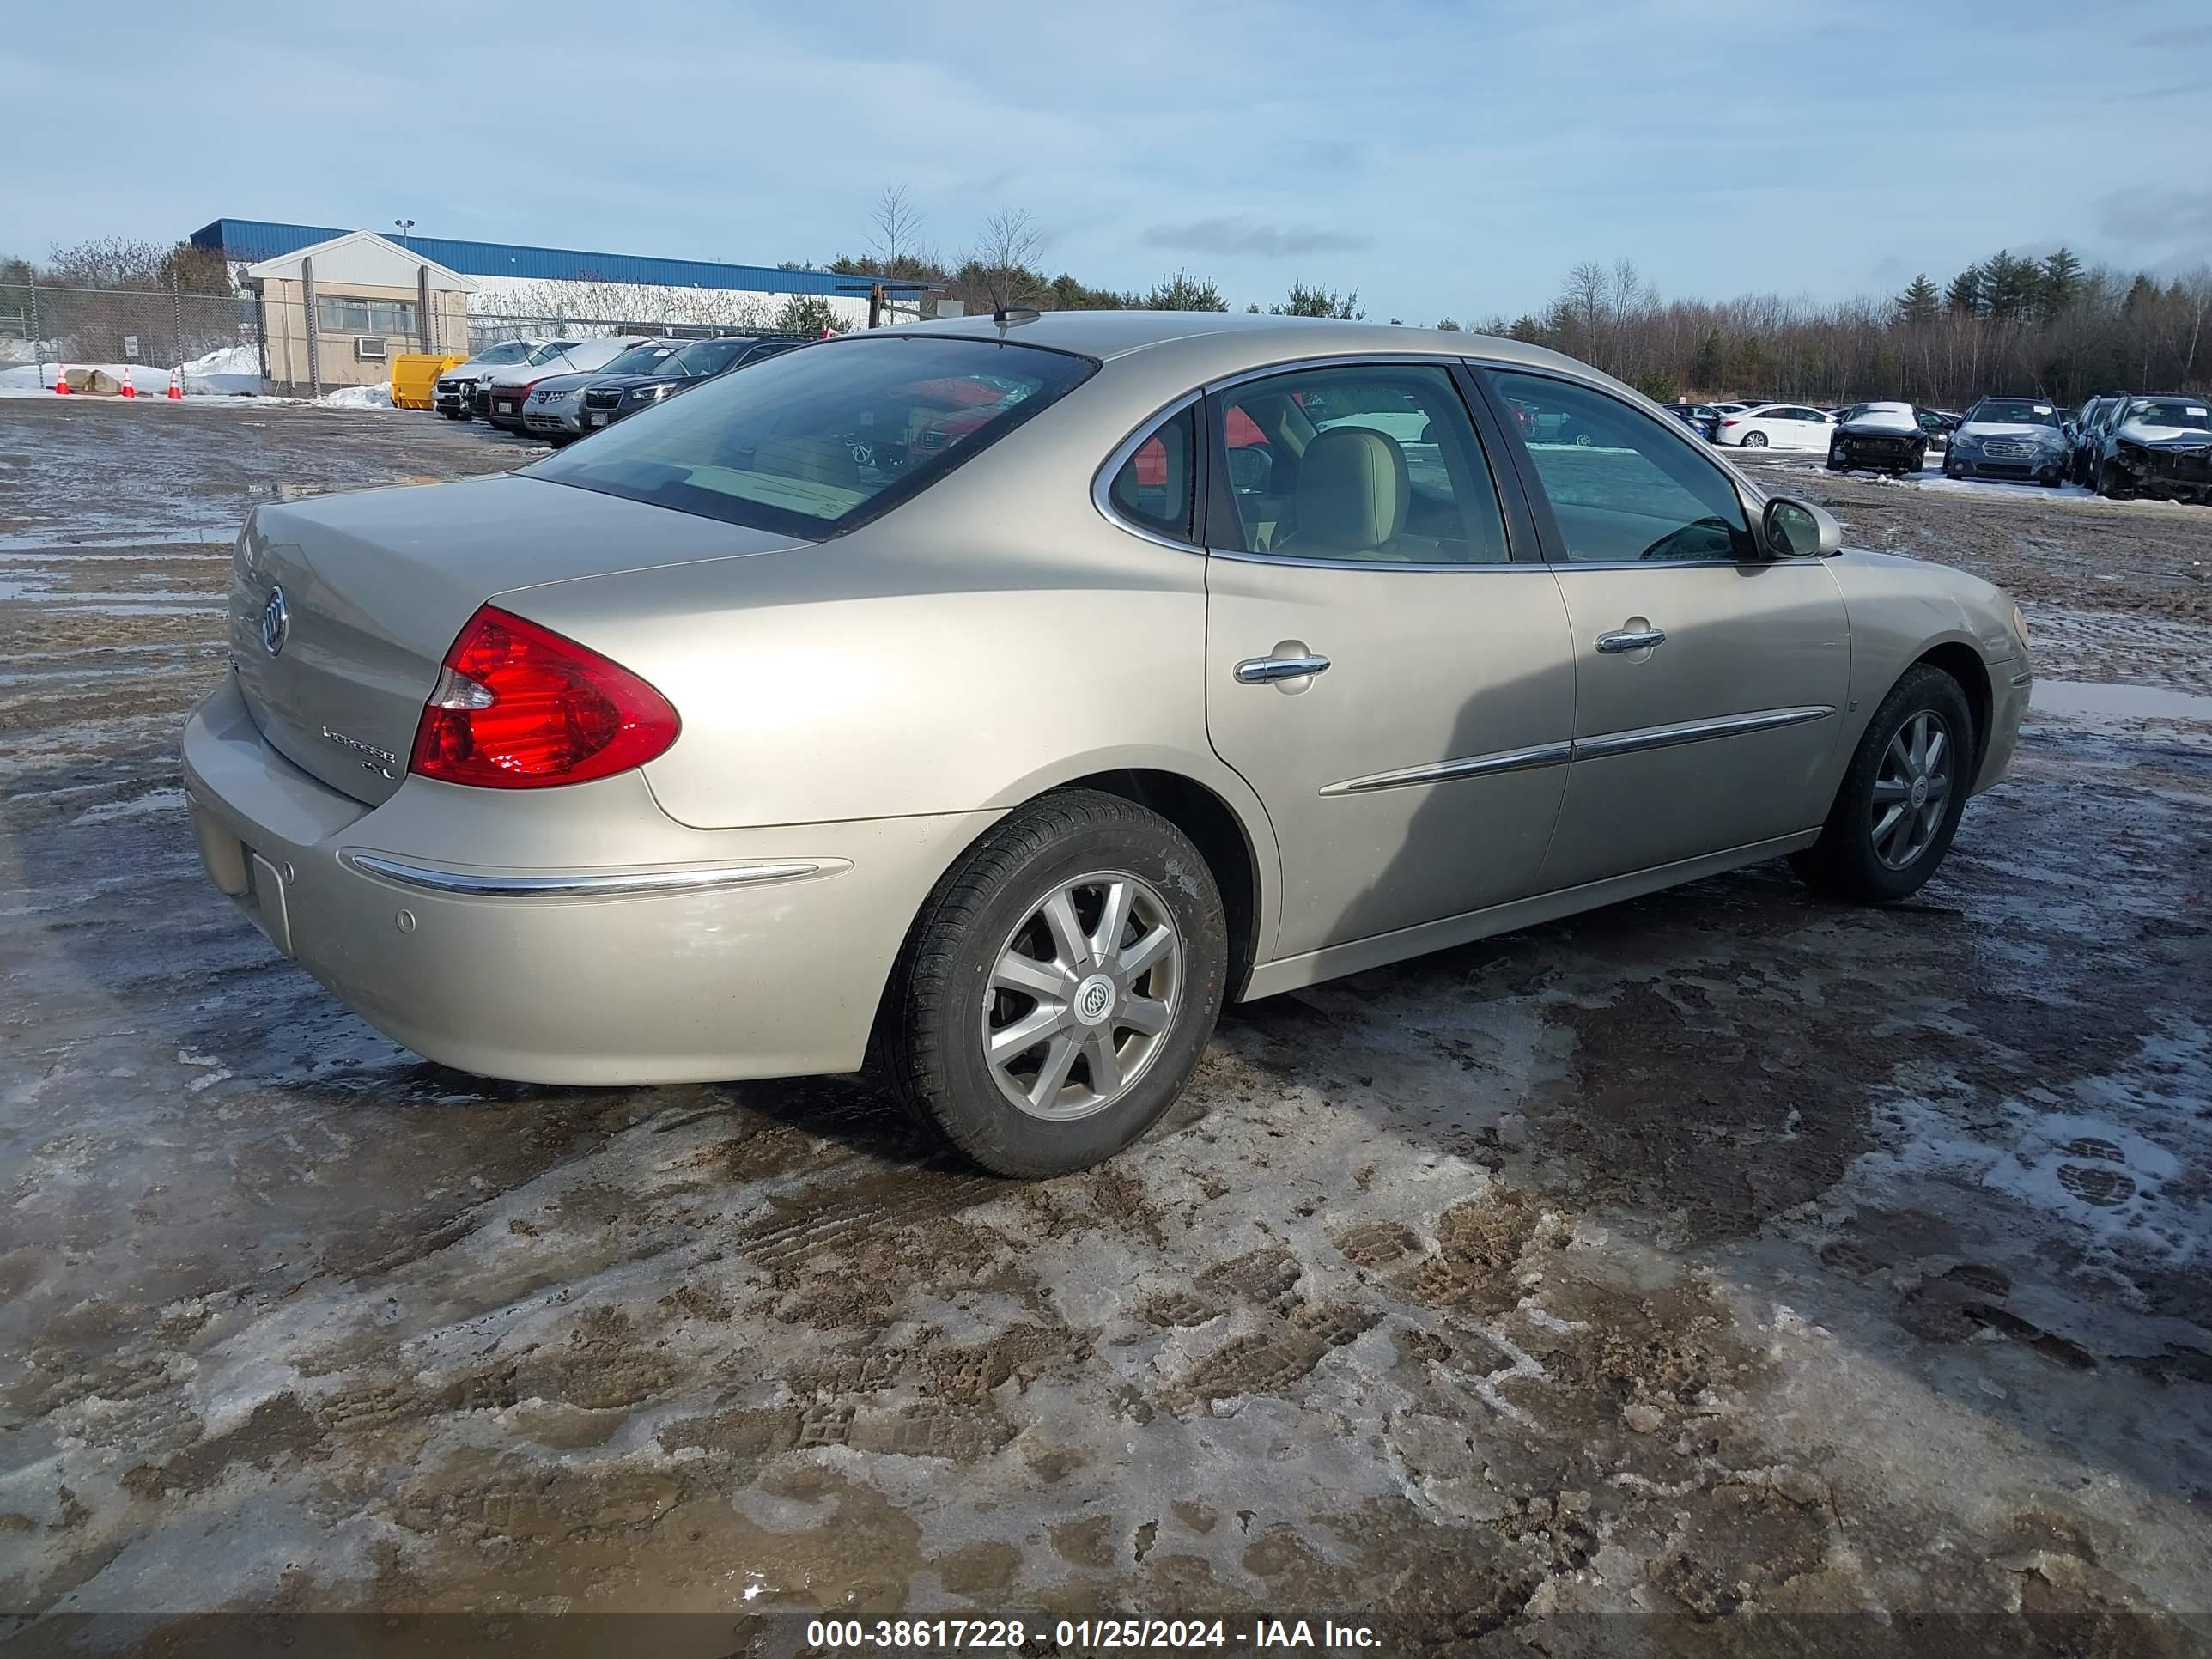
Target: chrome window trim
x=1640 y=739
x=570 y=884
x=1471 y=766
x=1443 y=359
x=1101 y=481
x=1242 y=557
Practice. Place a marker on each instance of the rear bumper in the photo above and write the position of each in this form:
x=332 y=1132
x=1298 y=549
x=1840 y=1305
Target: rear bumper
x=703 y=955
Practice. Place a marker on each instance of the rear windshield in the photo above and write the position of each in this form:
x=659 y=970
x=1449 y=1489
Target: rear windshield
x=812 y=443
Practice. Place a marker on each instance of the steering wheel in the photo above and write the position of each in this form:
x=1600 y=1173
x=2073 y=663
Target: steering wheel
x=1712 y=524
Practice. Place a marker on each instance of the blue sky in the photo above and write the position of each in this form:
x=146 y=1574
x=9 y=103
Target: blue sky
x=1439 y=158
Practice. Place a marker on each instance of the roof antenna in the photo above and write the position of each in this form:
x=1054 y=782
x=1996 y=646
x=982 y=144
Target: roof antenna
x=1005 y=315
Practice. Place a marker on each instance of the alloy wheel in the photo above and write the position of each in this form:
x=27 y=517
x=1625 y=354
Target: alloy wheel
x=1911 y=789
x=1082 y=996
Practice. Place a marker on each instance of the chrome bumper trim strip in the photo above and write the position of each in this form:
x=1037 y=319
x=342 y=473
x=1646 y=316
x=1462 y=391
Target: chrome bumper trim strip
x=570 y=884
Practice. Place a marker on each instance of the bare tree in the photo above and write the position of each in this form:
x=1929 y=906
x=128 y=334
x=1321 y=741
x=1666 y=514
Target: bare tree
x=896 y=242
x=1005 y=255
x=1584 y=300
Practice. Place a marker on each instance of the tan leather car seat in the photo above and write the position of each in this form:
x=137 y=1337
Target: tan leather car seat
x=1351 y=499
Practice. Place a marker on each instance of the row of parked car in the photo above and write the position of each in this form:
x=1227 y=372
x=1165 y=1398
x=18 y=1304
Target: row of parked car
x=2127 y=444
x=559 y=389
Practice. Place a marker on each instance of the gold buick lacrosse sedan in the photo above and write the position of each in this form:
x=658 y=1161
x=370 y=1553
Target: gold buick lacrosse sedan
x=984 y=701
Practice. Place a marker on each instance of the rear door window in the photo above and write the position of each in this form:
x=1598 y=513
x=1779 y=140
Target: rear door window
x=815 y=442
x=1370 y=464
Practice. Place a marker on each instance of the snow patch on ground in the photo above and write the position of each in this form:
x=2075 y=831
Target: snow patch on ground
x=159 y=800
x=357 y=397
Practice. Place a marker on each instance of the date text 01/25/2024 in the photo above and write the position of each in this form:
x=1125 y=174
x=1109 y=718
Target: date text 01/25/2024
x=1088 y=1635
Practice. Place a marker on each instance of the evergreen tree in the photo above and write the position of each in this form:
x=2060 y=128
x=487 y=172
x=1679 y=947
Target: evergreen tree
x=2011 y=287
x=1318 y=302
x=1920 y=303
x=1710 y=364
x=1963 y=298
x=1181 y=292
x=2062 y=281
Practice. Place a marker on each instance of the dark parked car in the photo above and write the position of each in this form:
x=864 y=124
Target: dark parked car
x=2016 y=438
x=2159 y=446
x=2086 y=436
x=615 y=392
x=1701 y=418
x=555 y=408
x=1881 y=437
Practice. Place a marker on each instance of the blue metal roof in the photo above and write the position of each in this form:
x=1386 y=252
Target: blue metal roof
x=251 y=240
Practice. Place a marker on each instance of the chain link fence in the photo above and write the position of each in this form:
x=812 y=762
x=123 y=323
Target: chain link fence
x=303 y=344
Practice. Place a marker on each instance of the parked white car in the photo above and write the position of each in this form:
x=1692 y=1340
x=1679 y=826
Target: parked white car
x=1778 y=426
x=455 y=395
x=510 y=388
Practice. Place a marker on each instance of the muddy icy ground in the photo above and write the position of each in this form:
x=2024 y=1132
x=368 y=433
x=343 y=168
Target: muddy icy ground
x=1720 y=1256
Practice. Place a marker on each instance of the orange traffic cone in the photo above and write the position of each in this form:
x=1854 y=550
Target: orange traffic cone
x=128 y=390
x=61 y=380
x=176 y=385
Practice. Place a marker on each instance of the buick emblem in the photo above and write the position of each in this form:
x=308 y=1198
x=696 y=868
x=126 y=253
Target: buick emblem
x=1094 y=999
x=275 y=623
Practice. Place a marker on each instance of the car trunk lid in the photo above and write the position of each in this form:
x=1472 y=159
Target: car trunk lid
x=375 y=585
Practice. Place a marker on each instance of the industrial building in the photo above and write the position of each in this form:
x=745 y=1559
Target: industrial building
x=443 y=294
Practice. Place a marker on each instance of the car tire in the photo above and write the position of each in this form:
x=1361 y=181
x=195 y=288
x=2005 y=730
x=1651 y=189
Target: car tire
x=1752 y=440
x=1864 y=856
x=2110 y=483
x=1836 y=461
x=453 y=414
x=996 y=917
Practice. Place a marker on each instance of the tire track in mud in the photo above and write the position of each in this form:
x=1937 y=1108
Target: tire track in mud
x=1712 y=1255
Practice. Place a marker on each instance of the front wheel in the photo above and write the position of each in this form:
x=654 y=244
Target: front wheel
x=1898 y=807
x=2112 y=484
x=1059 y=986
x=1754 y=440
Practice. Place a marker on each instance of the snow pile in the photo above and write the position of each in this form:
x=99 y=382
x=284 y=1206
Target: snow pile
x=226 y=373
x=37 y=379
x=357 y=397
x=229 y=372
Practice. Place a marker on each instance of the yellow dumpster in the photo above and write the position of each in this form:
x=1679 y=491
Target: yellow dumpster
x=414 y=376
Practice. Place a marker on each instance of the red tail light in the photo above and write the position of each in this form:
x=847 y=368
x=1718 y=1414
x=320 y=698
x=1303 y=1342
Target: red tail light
x=1730 y=420
x=518 y=706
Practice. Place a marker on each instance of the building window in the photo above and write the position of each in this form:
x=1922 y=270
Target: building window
x=335 y=315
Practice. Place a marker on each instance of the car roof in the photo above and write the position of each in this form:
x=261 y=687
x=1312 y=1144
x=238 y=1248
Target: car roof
x=1229 y=335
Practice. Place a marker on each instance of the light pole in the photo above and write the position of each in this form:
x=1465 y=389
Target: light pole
x=405 y=225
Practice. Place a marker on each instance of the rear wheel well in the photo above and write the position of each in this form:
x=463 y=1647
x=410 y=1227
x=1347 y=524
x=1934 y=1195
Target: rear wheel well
x=1964 y=664
x=1214 y=829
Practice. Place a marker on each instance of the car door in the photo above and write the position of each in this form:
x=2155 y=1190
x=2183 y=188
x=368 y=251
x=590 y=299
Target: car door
x=1709 y=679
x=1395 y=684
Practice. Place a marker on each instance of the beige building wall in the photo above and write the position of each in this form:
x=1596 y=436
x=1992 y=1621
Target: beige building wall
x=285 y=322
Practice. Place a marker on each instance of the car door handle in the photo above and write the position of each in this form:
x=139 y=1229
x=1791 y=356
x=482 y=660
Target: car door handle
x=1262 y=670
x=1611 y=645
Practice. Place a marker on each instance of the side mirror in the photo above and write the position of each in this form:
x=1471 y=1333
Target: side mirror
x=1799 y=530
